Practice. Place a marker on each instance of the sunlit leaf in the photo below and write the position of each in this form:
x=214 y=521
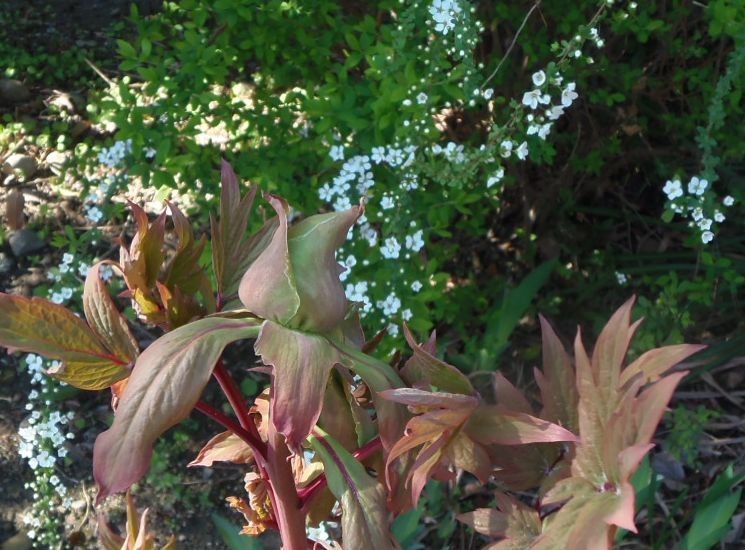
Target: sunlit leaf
x=165 y=384
x=224 y=447
x=39 y=326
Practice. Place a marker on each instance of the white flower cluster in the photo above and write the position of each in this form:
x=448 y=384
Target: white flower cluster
x=390 y=305
x=445 y=15
x=695 y=205
x=540 y=95
x=115 y=155
x=452 y=151
x=357 y=292
x=43 y=442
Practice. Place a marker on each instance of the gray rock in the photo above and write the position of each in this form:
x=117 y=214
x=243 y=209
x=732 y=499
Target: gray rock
x=23 y=165
x=12 y=91
x=24 y=242
x=56 y=161
x=6 y=264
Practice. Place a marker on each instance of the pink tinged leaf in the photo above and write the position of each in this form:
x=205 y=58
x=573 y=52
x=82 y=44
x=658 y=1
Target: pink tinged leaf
x=165 y=384
x=145 y=256
x=224 y=447
x=628 y=461
x=231 y=250
x=589 y=461
x=490 y=424
x=364 y=519
x=302 y=363
x=465 y=454
x=557 y=380
x=508 y=396
x=515 y=521
x=566 y=489
x=268 y=288
x=420 y=398
x=651 y=405
x=608 y=357
x=425 y=465
x=654 y=363
x=312 y=246
x=423 y=368
x=38 y=326
x=591 y=530
x=105 y=319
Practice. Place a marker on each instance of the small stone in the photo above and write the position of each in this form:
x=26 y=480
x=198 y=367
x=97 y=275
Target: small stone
x=56 y=161
x=23 y=165
x=10 y=180
x=12 y=91
x=6 y=263
x=24 y=242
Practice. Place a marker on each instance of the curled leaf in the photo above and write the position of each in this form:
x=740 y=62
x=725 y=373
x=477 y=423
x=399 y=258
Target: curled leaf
x=295 y=280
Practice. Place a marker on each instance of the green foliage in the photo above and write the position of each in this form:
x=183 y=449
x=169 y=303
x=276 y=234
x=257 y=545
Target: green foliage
x=687 y=427
x=712 y=516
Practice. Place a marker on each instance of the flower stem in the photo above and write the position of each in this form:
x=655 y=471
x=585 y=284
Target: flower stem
x=285 y=501
x=235 y=398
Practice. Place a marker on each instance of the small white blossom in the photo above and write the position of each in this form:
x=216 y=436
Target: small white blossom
x=391 y=248
x=506 y=148
x=555 y=112
x=545 y=130
x=718 y=216
x=94 y=214
x=568 y=95
x=495 y=178
x=728 y=200
x=386 y=202
x=673 y=189
x=697 y=186
x=707 y=237
x=415 y=242
x=336 y=152
x=621 y=278
x=416 y=286
x=378 y=154
x=488 y=93
x=532 y=98
x=539 y=78
x=705 y=224
x=522 y=151
x=421 y=99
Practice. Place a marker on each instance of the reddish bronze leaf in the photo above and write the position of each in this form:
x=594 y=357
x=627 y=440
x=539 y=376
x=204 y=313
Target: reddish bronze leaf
x=38 y=326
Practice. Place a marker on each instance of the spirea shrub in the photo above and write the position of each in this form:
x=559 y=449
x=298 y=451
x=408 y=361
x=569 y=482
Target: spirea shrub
x=437 y=114
x=337 y=428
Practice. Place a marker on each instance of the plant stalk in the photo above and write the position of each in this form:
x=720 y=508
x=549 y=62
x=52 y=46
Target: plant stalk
x=257 y=446
x=285 y=501
x=235 y=398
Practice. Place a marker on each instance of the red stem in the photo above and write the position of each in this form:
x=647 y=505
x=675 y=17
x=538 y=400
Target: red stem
x=235 y=398
x=366 y=451
x=285 y=501
x=230 y=424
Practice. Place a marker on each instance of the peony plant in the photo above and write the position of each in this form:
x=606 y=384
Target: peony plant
x=336 y=425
